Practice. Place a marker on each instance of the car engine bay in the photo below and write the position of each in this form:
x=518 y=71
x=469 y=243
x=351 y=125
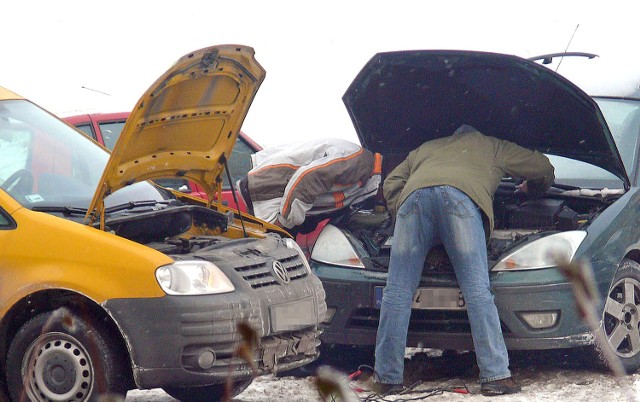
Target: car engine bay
x=517 y=219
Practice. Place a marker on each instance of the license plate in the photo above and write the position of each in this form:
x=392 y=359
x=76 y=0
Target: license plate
x=293 y=315
x=431 y=299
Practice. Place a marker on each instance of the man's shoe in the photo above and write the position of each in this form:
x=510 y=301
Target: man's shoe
x=381 y=388
x=499 y=387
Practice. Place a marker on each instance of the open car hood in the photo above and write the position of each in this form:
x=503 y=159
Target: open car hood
x=186 y=123
x=401 y=99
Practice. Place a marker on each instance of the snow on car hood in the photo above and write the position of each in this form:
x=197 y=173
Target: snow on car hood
x=401 y=99
x=186 y=123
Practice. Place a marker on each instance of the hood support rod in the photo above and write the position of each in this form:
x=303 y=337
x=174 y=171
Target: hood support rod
x=223 y=159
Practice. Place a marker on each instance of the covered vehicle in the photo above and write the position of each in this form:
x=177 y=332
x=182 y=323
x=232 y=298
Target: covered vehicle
x=108 y=282
x=591 y=213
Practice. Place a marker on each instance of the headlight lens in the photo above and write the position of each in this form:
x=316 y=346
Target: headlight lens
x=333 y=247
x=193 y=278
x=292 y=244
x=543 y=253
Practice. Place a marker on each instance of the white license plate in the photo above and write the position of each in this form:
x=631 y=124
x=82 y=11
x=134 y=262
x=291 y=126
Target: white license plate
x=293 y=315
x=431 y=299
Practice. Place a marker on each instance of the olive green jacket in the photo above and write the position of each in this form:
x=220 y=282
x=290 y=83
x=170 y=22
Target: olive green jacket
x=471 y=162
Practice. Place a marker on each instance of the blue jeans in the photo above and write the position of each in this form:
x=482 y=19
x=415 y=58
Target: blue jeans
x=428 y=217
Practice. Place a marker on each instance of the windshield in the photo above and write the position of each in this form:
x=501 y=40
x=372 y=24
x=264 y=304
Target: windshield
x=46 y=163
x=623 y=119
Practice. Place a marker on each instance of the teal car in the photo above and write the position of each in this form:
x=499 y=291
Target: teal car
x=590 y=214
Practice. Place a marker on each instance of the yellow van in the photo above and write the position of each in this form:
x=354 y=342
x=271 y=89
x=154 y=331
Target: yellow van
x=109 y=282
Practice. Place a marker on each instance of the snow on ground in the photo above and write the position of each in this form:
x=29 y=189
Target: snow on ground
x=544 y=376
x=553 y=385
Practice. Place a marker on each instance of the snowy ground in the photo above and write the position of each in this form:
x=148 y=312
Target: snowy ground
x=544 y=376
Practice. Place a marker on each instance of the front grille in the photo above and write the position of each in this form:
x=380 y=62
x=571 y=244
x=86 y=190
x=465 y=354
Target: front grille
x=220 y=323
x=260 y=274
x=423 y=321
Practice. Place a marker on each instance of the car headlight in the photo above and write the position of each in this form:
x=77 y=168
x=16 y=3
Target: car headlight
x=292 y=244
x=193 y=278
x=333 y=247
x=543 y=253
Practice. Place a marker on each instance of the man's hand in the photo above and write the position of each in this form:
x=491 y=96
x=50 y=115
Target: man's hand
x=522 y=188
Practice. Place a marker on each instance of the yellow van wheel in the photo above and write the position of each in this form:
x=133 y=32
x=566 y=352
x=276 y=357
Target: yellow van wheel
x=58 y=356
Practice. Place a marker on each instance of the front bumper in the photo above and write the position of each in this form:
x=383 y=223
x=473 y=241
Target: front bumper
x=353 y=320
x=193 y=340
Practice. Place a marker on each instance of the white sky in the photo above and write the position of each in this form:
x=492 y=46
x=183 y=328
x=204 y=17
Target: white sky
x=50 y=50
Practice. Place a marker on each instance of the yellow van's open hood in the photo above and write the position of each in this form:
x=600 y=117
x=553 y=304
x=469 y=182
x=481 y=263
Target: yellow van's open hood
x=186 y=123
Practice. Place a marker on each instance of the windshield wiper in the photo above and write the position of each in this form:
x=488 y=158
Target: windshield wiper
x=136 y=204
x=63 y=210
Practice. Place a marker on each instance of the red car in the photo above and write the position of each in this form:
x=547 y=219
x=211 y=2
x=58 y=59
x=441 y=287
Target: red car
x=105 y=128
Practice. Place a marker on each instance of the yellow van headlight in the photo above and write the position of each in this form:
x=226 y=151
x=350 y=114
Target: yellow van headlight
x=193 y=278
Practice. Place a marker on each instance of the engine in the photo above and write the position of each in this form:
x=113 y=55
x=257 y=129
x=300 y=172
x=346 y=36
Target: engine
x=516 y=219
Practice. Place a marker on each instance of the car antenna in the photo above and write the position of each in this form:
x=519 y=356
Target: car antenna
x=94 y=90
x=567 y=48
x=223 y=159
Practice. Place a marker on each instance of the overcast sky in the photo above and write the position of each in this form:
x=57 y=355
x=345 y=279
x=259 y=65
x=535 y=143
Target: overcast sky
x=74 y=56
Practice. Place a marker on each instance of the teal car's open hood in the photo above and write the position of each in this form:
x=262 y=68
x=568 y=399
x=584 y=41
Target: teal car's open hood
x=401 y=99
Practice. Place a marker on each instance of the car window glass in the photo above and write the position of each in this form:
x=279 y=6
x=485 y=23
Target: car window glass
x=15 y=142
x=111 y=132
x=87 y=129
x=46 y=163
x=5 y=221
x=43 y=160
x=239 y=162
x=623 y=119
x=581 y=174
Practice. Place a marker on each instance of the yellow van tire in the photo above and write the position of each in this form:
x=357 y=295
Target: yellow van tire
x=58 y=356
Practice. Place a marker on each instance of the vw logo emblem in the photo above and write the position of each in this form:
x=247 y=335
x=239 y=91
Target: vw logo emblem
x=280 y=272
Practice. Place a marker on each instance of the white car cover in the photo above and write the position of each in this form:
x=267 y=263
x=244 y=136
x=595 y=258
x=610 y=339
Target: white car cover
x=289 y=182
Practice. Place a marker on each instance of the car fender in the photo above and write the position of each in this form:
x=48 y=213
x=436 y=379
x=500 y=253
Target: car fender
x=48 y=252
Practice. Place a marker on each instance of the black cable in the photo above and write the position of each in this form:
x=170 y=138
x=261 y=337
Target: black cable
x=421 y=394
x=364 y=370
x=383 y=398
x=425 y=393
